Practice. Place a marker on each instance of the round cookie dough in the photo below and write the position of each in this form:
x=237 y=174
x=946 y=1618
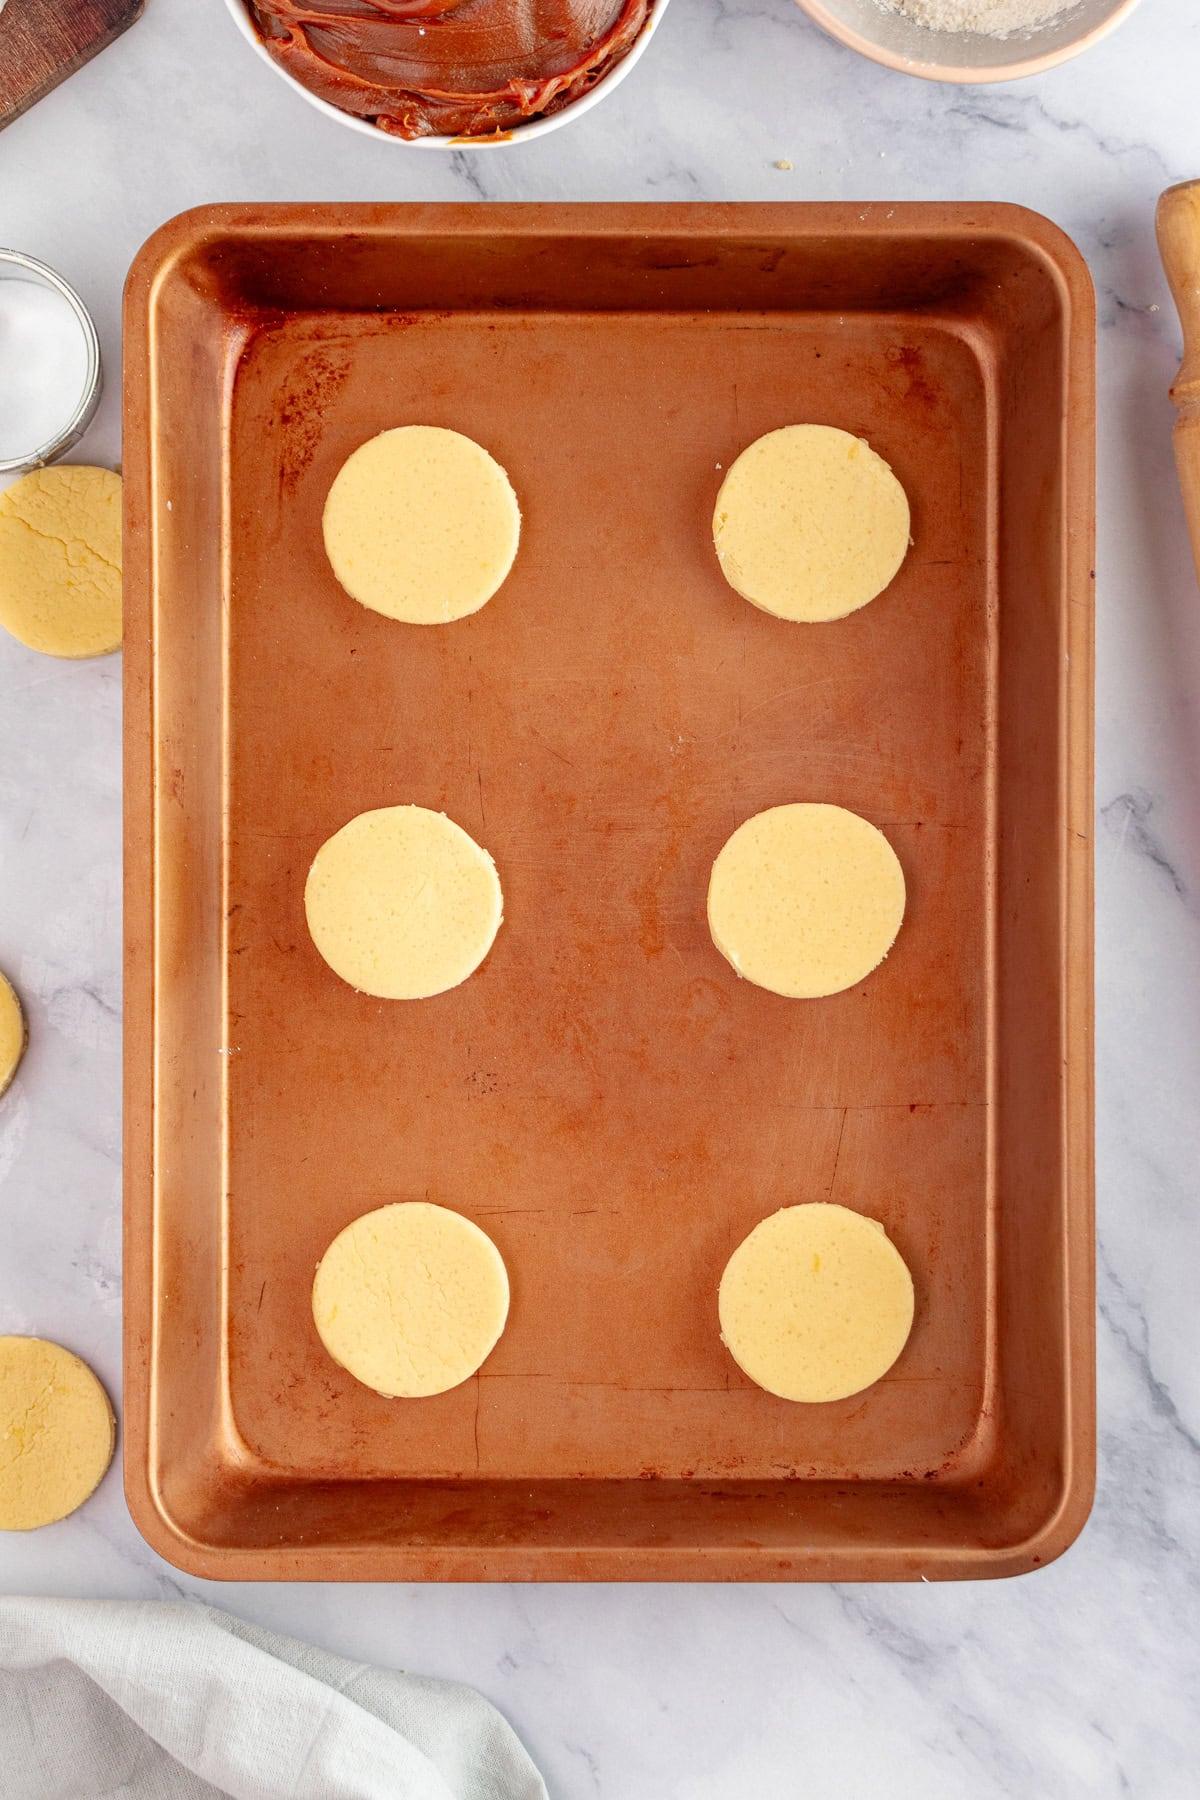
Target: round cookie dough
x=410 y=1299
x=810 y=523
x=402 y=903
x=816 y=1304
x=60 y=561
x=421 y=524
x=805 y=900
x=57 y=1433
x=13 y=1033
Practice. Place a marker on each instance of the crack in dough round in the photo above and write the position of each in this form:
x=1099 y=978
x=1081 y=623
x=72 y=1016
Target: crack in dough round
x=805 y=900
x=60 y=561
x=411 y=1299
x=810 y=523
x=402 y=903
x=57 y=1433
x=421 y=524
x=816 y=1303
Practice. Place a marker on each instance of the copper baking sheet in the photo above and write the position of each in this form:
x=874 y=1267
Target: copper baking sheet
x=605 y=1096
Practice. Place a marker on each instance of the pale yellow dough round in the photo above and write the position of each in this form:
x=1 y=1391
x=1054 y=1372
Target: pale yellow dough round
x=410 y=1299
x=810 y=523
x=60 y=561
x=816 y=1304
x=402 y=903
x=421 y=524
x=13 y=1033
x=57 y=1433
x=805 y=900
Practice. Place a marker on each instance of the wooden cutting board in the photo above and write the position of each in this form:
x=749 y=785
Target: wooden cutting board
x=44 y=41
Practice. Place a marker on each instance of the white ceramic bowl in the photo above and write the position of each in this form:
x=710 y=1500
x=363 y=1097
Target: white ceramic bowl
x=519 y=134
x=965 y=56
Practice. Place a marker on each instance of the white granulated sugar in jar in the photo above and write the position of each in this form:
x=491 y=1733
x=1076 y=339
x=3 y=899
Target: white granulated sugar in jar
x=43 y=365
x=991 y=18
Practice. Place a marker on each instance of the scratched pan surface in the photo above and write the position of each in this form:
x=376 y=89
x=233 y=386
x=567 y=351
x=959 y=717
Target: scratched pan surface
x=604 y=1096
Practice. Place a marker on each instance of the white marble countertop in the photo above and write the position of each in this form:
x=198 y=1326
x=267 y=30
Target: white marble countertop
x=1081 y=1679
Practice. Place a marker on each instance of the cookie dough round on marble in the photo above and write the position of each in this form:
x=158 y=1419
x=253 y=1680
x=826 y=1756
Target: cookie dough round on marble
x=816 y=1304
x=410 y=1299
x=810 y=523
x=60 y=561
x=805 y=900
x=57 y=1433
x=421 y=524
x=402 y=903
x=14 y=1034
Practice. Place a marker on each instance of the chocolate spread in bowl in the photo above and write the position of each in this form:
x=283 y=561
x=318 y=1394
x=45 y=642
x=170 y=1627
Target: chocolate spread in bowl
x=458 y=68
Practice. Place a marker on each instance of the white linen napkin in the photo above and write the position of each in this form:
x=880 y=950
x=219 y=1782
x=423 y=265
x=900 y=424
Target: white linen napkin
x=149 y=1701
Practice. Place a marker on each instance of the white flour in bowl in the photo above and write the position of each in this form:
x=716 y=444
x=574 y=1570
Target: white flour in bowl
x=993 y=18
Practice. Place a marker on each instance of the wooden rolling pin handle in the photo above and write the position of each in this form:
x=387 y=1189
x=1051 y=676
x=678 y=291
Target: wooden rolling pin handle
x=1178 y=226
